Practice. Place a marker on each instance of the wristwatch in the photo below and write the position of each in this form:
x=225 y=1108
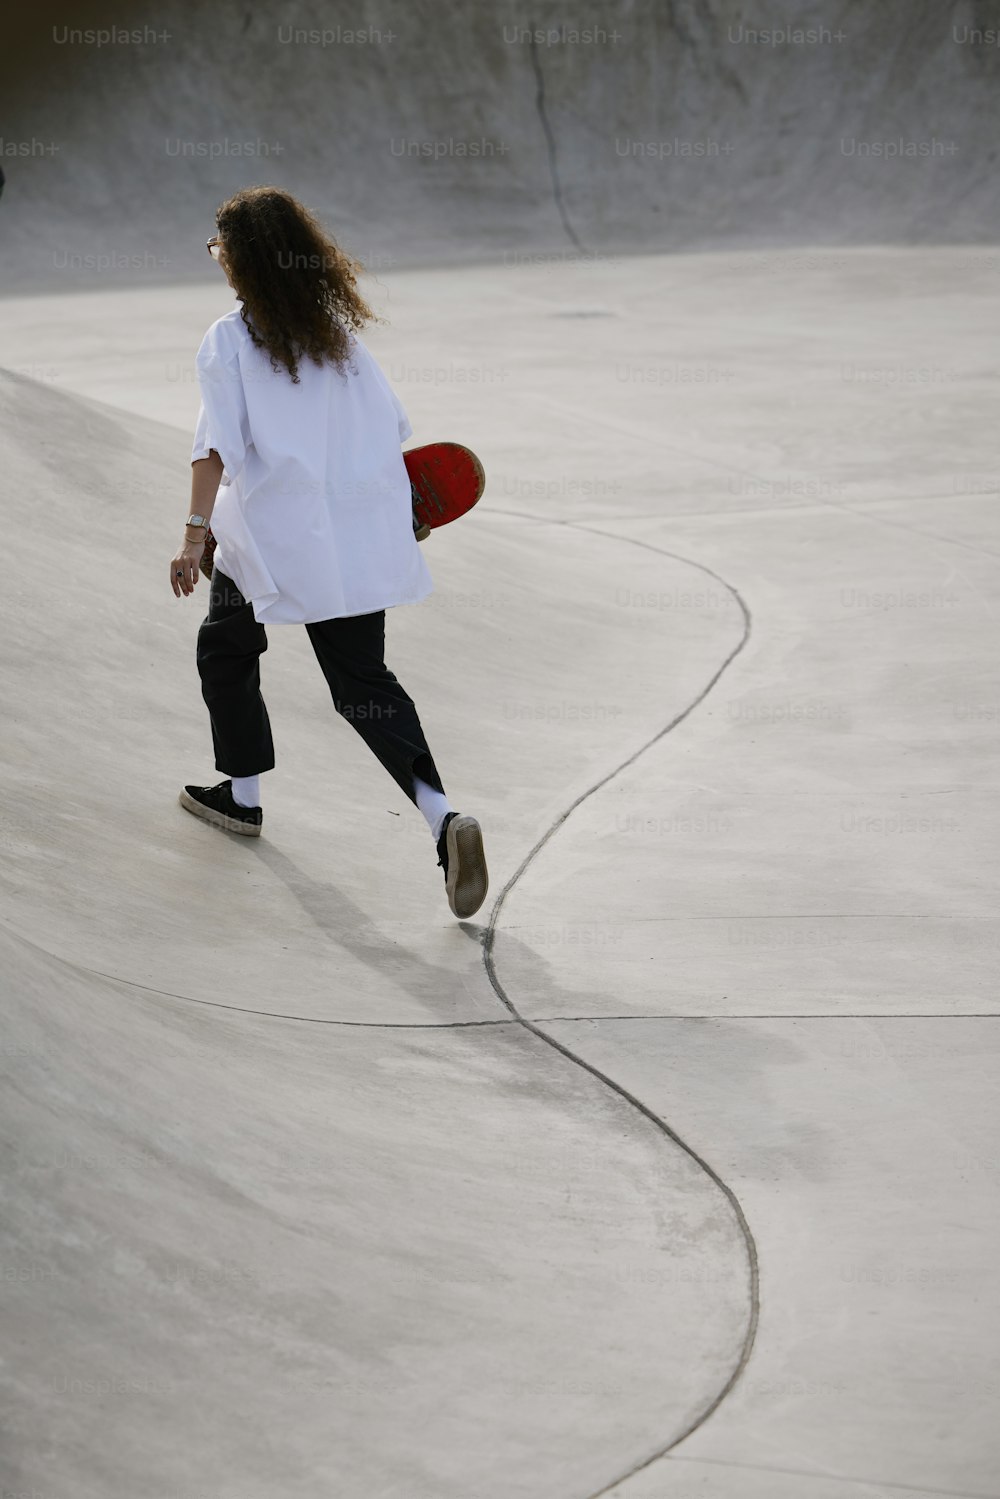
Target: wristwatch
x=196 y=520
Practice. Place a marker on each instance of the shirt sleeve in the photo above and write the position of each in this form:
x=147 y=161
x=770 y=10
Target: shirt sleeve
x=223 y=422
x=402 y=420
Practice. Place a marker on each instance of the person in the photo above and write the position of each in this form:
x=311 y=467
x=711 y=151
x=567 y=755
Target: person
x=297 y=463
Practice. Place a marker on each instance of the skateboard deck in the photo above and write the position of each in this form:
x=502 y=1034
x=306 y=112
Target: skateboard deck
x=446 y=480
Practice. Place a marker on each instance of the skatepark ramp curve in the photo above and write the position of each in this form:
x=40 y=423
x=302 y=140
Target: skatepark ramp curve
x=293 y=1190
x=669 y=1174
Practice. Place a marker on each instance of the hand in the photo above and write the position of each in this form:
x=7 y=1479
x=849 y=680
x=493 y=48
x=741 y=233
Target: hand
x=186 y=562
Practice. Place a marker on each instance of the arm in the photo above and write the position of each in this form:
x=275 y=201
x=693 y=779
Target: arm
x=184 y=566
x=221 y=439
x=205 y=476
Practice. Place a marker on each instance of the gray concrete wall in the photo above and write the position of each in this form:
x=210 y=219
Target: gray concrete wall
x=451 y=133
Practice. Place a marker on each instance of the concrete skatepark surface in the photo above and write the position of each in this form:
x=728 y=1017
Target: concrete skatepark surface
x=672 y=1172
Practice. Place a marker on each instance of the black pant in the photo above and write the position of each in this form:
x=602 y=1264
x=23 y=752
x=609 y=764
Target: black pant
x=351 y=652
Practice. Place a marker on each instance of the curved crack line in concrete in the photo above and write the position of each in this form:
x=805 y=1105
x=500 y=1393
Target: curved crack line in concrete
x=550 y=140
x=448 y=1025
x=686 y=39
x=216 y=1004
x=737 y=1016
x=488 y=943
x=534 y=1029
x=602 y=1077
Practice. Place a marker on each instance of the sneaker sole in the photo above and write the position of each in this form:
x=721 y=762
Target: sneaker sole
x=219 y=819
x=468 y=879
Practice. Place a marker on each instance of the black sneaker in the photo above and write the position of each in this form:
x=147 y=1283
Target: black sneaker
x=460 y=853
x=215 y=804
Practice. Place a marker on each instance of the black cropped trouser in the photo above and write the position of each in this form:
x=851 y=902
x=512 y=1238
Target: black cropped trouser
x=351 y=652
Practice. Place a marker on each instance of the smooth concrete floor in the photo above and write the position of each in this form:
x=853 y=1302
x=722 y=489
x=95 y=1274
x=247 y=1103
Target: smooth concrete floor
x=673 y=1172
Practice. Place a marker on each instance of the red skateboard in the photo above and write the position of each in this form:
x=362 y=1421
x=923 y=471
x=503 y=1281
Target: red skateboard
x=446 y=480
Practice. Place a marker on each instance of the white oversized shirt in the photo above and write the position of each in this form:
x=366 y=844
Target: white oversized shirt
x=313 y=517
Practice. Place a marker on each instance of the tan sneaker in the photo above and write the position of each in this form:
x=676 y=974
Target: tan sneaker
x=460 y=852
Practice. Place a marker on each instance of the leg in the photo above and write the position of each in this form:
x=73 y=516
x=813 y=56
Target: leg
x=230 y=644
x=351 y=652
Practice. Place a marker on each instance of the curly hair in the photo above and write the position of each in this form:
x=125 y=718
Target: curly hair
x=296 y=284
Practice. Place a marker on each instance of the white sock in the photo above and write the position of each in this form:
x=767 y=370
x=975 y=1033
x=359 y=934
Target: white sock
x=246 y=791
x=433 y=804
